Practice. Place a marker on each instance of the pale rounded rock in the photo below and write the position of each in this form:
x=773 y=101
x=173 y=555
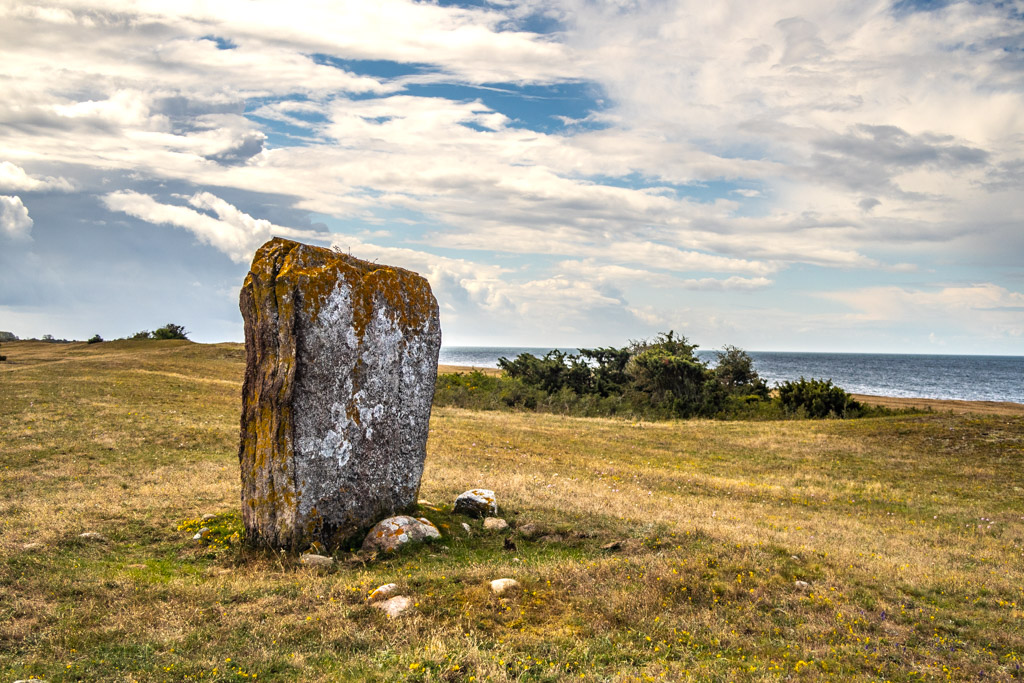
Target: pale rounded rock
x=93 y=536
x=468 y=529
x=383 y=592
x=500 y=586
x=477 y=503
x=801 y=585
x=318 y=562
x=29 y=547
x=495 y=524
x=392 y=533
x=208 y=517
x=201 y=534
x=394 y=607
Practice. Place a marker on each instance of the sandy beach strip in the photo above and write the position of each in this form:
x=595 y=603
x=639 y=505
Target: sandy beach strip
x=942 y=405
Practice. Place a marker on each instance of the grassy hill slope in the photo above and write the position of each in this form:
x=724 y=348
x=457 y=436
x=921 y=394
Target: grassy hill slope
x=907 y=530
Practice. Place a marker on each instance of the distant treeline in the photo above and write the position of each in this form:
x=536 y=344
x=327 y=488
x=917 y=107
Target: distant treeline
x=168 y=331
x=655 y=379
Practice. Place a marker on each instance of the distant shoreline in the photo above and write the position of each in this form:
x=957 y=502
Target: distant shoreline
x=940 y=405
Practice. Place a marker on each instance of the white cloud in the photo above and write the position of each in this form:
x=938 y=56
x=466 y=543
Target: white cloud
x=13 y=178
x=233 y=232
x=14 y=218
x=985 y=309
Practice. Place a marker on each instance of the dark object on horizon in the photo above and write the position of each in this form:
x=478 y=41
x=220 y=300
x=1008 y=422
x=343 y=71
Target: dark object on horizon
x=95 y=339
x=170 y=331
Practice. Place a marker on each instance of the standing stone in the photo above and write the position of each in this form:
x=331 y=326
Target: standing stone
x=341 y=360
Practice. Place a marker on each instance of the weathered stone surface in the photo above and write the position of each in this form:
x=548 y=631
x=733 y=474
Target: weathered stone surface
x=383 y=592
x=394 y=607
x=499 y=586
x=476 y=503
x=495 y=523
x=391 y=533
x=93 y=536
x=341 y=360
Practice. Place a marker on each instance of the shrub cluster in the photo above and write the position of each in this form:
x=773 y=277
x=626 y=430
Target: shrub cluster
x=168 y=331
x=654 y=379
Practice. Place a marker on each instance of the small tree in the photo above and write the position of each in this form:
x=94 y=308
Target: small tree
x=170 y=331
x=8 y=336
x=95 y=339
x=143 y=334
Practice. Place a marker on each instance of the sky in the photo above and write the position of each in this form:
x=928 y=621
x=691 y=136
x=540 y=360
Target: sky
x=800 y=175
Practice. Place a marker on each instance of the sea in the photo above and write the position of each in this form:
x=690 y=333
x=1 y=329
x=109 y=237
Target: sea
x=965 y=378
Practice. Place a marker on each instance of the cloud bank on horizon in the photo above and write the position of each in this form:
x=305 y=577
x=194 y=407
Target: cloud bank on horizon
x=802 y=176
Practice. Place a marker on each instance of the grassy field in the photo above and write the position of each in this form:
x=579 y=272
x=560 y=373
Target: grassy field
x=907 y=530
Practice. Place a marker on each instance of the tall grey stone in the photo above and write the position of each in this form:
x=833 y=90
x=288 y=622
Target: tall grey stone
x=341 y=361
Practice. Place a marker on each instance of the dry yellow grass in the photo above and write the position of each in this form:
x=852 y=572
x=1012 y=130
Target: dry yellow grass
x=909 y=531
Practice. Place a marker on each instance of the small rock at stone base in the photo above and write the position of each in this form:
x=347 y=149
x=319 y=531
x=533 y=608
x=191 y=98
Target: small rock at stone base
x=93 y=536
x=467 y=528
x=495 y=523
x=383 y=592
x=395 y=606
x=319 y=562
x=801 y=585
x=201 y=534
x=29 y=547
x=391 y=533
x=499 y=586
x=529 y=530
x=208 y=517
x=476 y=503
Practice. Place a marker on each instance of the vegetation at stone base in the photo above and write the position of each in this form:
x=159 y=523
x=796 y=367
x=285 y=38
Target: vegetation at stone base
x=658 y=379
x=909 y=530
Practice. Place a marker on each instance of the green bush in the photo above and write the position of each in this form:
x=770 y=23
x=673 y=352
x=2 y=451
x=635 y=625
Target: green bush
x=734 y=370
x=170 y=331
x=142 y=334
x=656 y=379
x=95 y=339
x=817 y=398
